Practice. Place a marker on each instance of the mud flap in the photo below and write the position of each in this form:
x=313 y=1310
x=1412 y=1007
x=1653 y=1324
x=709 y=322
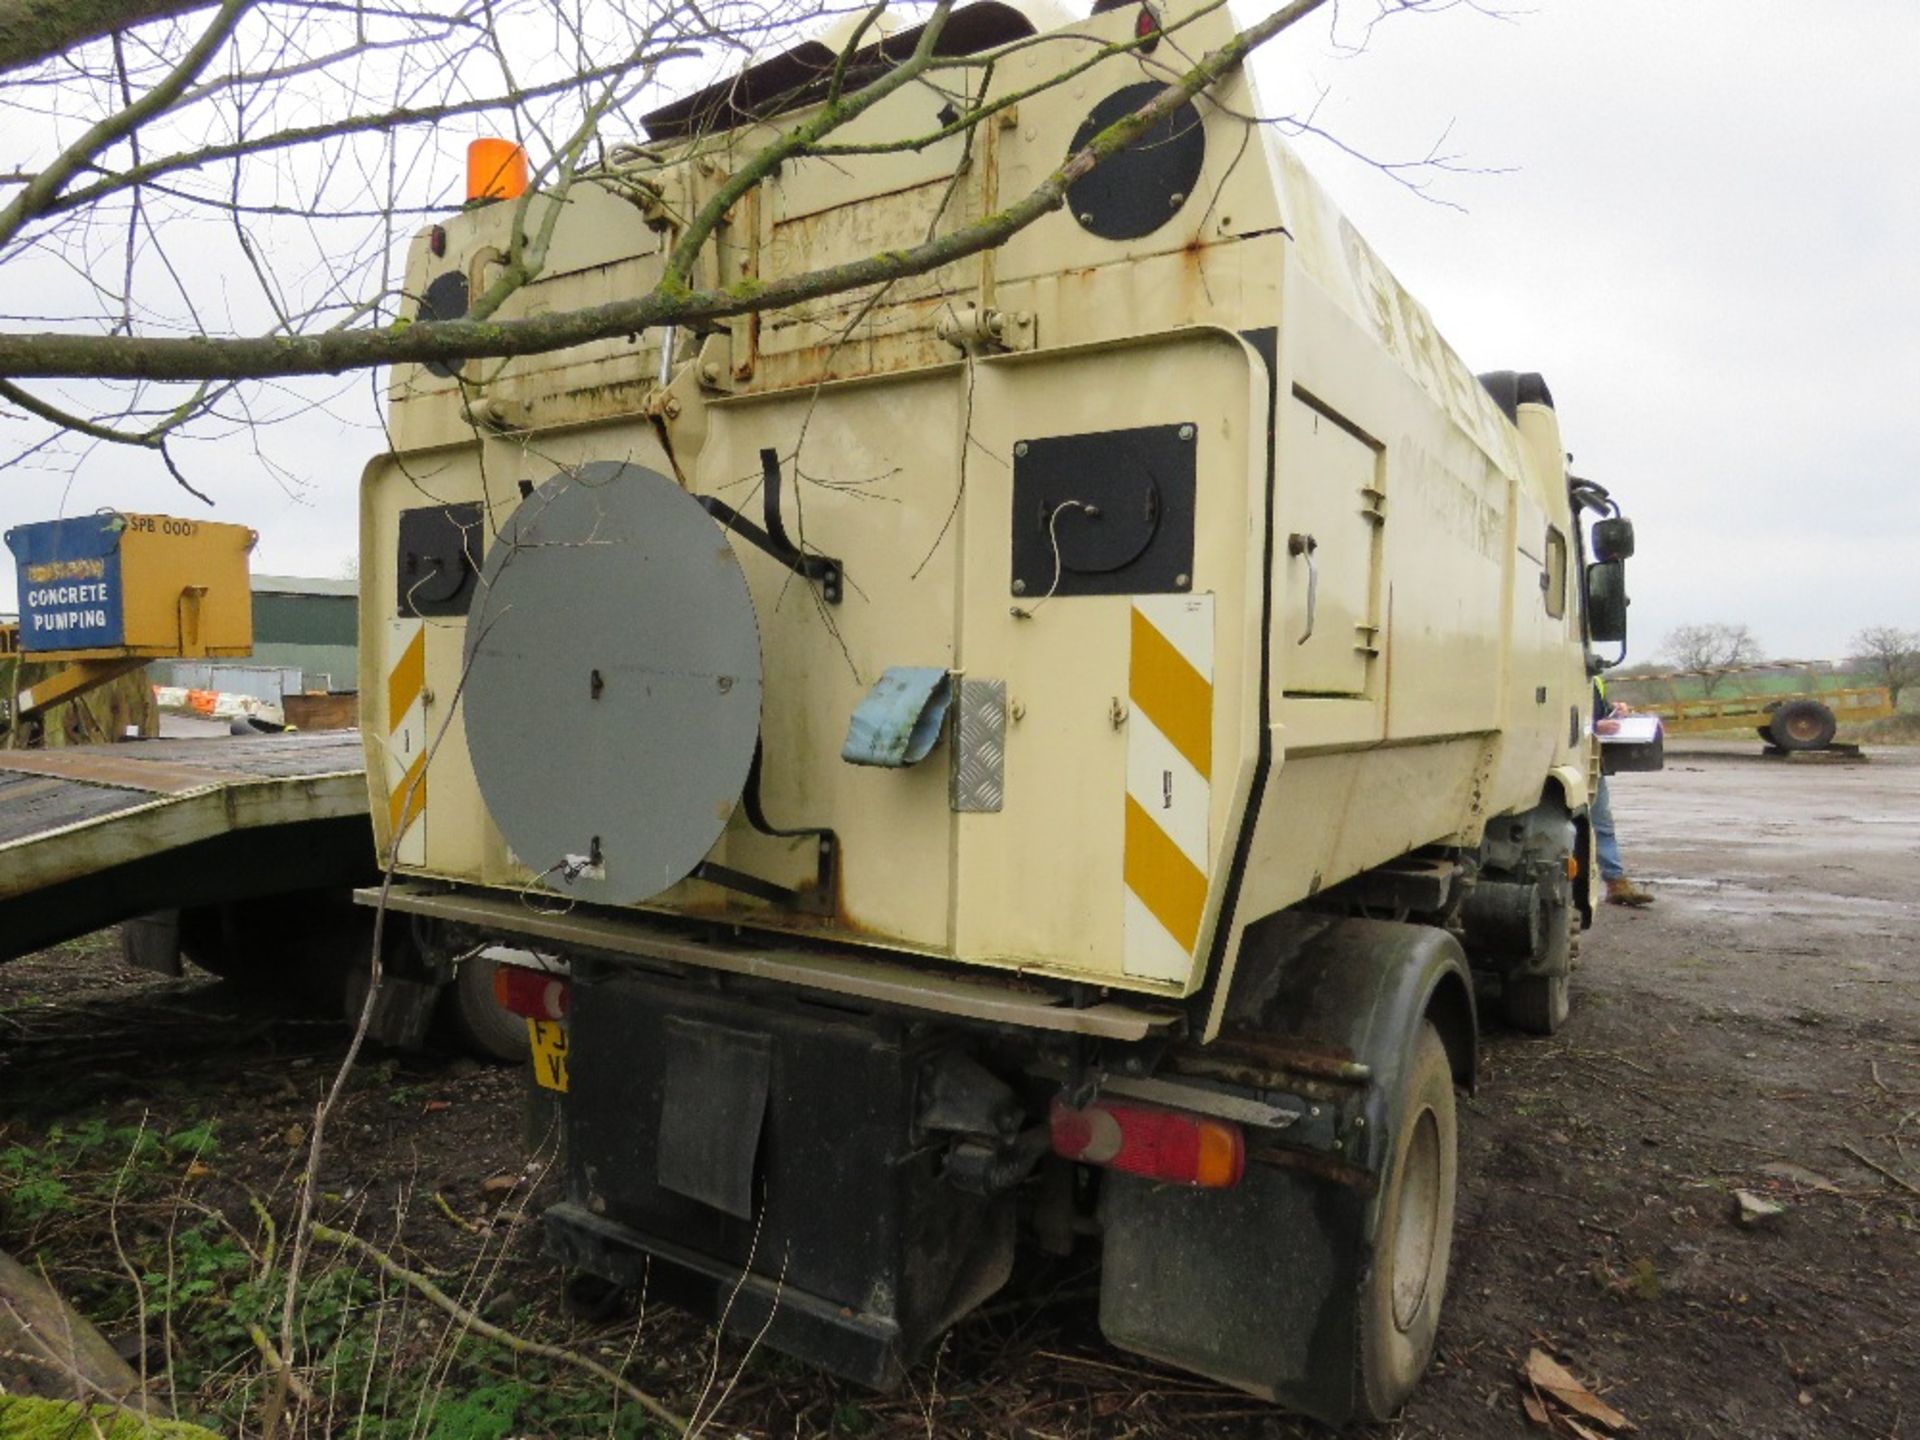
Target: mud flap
x=753 y=1155
x=1257 y=1286
x=713 y=1099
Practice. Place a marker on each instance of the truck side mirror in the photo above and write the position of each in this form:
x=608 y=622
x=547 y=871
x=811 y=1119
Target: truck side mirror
x=1607 y=600
x=1613 y=538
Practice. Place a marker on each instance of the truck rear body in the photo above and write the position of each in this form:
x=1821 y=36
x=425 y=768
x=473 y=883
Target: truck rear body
x=1175 y=569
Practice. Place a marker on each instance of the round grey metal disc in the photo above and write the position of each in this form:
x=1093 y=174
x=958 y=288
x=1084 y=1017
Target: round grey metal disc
x=613 y=682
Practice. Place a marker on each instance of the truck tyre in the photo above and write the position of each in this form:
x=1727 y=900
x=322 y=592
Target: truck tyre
x=1802 y=725
x=482 y=1027
x=1400 y=1302
x=1537 y=1002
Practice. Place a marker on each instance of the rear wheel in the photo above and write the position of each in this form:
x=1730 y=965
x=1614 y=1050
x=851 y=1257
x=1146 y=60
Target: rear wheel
x=1802 y=725
x=1400 y=1303
x=478 y=1019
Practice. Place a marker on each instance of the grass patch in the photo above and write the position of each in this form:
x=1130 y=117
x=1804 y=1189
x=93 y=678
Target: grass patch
x=141 y=1230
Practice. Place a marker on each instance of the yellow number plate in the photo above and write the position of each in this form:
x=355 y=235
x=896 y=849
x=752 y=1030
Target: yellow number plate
x=549 y=1052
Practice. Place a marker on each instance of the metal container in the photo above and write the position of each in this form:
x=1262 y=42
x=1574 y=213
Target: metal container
x=115 y=585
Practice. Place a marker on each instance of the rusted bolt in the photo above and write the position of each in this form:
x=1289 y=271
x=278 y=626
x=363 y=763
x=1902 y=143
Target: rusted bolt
x=1186 y=432
x=1020 y=447
x=1086 y=217
x=725 y=682
x=671 y=407
x=1019 y=587
x=1181 y=582
x=710 y=373
x=1176 y=200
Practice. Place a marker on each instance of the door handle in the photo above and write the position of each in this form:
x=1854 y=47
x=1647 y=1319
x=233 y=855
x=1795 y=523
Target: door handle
x=1305 y=545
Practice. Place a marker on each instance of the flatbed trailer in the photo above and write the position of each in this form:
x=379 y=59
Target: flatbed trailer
x=92 y=835
x=1794 y=720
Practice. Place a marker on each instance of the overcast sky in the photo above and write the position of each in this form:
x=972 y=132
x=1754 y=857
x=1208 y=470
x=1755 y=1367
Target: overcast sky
x=1706 y=242
x=1702 y=233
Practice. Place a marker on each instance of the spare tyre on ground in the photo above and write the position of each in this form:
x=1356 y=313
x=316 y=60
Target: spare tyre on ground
x=1802 y=725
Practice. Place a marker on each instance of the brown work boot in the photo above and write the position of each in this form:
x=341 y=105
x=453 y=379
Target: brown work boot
x=1624 y=892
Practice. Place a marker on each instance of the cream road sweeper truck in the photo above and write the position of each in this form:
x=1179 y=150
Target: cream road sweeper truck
x=1036 y=751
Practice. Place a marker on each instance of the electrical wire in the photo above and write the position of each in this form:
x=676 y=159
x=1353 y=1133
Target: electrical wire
x=1053 y=539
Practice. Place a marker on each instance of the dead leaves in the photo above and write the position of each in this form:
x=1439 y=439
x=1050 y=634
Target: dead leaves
x=1557 y=1402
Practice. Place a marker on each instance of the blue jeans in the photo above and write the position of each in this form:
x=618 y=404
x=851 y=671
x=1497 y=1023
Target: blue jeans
x=1606 y=846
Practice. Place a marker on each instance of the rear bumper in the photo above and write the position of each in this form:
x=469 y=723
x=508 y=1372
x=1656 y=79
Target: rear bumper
x=843 y=970
x=862 y=1347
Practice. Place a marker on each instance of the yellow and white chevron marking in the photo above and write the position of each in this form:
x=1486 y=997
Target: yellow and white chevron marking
x=1169 y=782
x=407 y=738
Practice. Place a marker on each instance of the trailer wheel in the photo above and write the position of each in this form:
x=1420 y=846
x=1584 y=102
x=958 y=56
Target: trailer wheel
x=1802 y=725
x=476 y=1017
x=1400 y=1304
x=298 y=947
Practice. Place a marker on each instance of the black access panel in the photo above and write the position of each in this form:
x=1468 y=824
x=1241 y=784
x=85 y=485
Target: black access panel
x=439 y=559
x=1115 y=507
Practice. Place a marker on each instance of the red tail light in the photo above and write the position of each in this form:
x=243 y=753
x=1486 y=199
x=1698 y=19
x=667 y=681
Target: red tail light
x=1159 y=1144
x=1146 y=29
x=530 y=993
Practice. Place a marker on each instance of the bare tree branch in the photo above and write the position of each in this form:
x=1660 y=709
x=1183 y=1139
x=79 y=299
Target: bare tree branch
x=41 y=190
x=32 y=30
x=48 y=355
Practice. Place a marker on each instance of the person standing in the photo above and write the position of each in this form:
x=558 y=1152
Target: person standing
x=1606 y=842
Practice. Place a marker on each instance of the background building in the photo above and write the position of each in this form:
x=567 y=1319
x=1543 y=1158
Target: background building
x=305 y=637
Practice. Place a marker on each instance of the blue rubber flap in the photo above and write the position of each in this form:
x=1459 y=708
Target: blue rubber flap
x=897 y=722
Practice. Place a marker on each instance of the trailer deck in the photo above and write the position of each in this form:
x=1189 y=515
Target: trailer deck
x=92 y=835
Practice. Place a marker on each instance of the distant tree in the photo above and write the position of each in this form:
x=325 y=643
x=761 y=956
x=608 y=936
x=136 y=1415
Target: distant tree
x=1889 y=655
x=1711 y=649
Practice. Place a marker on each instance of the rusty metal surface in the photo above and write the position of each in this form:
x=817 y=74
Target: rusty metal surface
x=71 y=811
x=334 y=710
x=182 y=766
x=839 y=971
x=93 y=835
x=1293 y=1059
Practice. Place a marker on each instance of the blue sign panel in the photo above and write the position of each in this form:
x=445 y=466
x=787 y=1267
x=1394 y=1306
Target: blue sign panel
x=69 y=572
